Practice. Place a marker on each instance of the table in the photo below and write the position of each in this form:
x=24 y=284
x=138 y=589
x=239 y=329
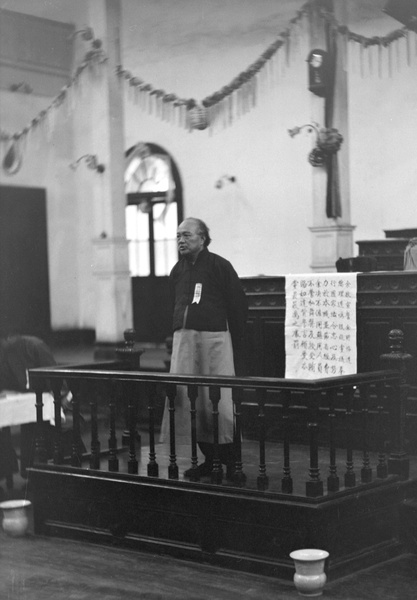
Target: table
x=18 y=408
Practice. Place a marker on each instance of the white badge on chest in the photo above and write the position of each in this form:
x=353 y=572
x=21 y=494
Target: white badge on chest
x=197 y=293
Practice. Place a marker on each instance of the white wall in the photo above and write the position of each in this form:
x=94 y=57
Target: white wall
x=193 y=48
x=383 y=125
x=194 y=52
x=261 y=223
x=47 y=152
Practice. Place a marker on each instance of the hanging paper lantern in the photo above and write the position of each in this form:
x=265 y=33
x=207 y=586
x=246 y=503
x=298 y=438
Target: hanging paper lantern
x=198 y=117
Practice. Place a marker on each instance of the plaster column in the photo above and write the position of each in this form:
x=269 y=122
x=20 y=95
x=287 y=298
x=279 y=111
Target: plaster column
x=110 y=257
x=332 y=238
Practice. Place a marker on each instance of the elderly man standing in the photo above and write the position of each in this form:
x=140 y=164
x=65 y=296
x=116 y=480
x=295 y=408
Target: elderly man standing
x=210 y=310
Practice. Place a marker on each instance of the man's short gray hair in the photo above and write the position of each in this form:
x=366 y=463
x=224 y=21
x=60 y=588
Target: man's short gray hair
x=202 y=229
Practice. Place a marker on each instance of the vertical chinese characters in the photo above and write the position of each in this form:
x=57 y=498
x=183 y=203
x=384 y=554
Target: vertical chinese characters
x=320 y=325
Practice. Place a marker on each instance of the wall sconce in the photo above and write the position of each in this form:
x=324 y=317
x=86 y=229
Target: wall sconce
x=224 y=180
x=91 y=161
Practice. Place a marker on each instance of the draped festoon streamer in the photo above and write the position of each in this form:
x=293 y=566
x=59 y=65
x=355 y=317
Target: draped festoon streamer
x=232 y=101
x=236 y=99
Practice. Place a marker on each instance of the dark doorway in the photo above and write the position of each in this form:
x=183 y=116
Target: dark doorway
x=24 y=280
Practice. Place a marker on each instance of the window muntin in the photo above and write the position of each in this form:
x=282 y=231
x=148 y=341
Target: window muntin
x=152 y=215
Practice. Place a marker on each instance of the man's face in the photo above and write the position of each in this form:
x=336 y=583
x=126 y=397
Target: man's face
x=190 y=241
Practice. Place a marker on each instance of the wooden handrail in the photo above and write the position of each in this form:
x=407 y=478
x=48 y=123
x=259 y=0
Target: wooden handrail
x=318 y=397
x=91 y=372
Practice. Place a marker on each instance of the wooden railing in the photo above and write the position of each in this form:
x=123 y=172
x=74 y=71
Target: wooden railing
x=362 y=412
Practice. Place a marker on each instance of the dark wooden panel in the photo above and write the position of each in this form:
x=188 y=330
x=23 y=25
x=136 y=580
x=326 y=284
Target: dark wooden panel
x=253 y=358
x=231 y=529
x=388 y=252
x=400 y=233
x=152 y=313
x=410 y=343
x=24 y=277
x=273 y=336
x=385 y=301
x=372 y=342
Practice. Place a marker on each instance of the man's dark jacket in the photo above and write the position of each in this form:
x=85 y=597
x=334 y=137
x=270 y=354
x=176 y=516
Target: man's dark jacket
x=222 y=305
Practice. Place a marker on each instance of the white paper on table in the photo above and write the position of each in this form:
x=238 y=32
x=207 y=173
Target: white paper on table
x=20 y=408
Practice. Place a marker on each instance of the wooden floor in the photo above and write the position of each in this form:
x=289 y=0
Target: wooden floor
x=35 y=568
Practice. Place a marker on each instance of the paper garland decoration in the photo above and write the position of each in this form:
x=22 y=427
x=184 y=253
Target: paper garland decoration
x=240 y=96
x=92 y=61
x=13 y=158
x=233 y=100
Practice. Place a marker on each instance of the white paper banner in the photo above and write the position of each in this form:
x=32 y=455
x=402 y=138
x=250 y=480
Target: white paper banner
x=320 y=325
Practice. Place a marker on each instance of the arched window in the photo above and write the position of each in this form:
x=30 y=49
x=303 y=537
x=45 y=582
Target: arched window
x=153 y=191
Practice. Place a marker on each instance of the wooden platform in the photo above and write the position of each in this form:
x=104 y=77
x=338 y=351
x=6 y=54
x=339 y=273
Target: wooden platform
x=222 y=525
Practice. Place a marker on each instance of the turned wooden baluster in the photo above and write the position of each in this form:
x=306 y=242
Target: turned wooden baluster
x=113 y=461
x=76 y=458
x=366 y=471
x=314 y=487
x=56 y=391
x=239 y=477
x=399 y=461
x=41 y=455
x=333 y=479
x=263 y=479
x=129 y=355
x=94 y=395
x=131 y=390
x=172 y=467
x=153 y=467
x=350 y=477
x=217 y=472
x=286 y=482
x=382 y=467
x=192 y=395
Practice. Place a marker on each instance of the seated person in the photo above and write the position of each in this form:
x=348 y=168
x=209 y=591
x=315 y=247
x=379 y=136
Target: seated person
x=18 y=354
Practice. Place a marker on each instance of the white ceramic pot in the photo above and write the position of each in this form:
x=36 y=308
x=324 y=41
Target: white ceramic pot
x=309 y=576
x=15 y=517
